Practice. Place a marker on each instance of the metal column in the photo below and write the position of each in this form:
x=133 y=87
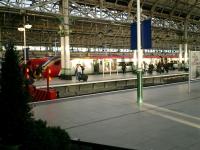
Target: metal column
x=185 y=44
x=140 y=56
x=25 y=59
x=0 y=40
x=135 y=57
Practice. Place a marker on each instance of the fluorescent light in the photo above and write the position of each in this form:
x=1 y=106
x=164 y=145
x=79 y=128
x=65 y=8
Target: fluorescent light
x=28 y=26
x=20 y=29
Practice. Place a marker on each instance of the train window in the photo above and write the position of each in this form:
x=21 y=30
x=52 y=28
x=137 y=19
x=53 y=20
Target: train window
x=120 y=63
x=127 y=63
x=57 y=63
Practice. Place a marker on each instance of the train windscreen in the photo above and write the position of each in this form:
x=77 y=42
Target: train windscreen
x=49 y=61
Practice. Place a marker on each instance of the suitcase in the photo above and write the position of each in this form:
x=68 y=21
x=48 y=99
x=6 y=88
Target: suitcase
x=83 y=77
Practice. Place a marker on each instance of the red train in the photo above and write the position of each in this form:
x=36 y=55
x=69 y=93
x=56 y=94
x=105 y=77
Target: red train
x=38 y=66
x=91 y=64
x=34 y=63
x=54 y=64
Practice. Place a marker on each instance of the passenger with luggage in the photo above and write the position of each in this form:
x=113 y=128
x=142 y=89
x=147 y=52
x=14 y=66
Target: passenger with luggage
x=78 y=71
x=83 y=68
x=83 y=77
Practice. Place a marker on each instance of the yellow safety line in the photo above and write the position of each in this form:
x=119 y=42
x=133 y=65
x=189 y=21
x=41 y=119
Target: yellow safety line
x=172 y=111
x=176 y=119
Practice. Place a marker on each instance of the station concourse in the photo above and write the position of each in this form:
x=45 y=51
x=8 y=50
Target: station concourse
x=169 y=120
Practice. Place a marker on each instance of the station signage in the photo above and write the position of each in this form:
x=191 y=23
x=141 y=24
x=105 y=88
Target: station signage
x=110 y=55
x=146 y=35
x=148 y=53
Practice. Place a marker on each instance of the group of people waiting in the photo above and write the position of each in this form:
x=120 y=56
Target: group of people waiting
x=124 y=68
x=160 y=67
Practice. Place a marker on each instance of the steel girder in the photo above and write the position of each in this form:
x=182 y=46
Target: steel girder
x=117 y=12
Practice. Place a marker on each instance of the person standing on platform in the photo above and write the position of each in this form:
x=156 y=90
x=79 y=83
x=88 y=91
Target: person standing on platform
x=76 y=71
x=83 y=68
x=166 y=67
x=151 y=67
x=124 y=68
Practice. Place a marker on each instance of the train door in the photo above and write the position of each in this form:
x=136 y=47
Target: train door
x=110 y=65
x=114 y=65
x=106 y=65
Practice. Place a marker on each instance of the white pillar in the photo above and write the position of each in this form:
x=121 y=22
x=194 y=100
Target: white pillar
x=185 y=44
x=62 y=43
x=180 y=53
x=186 y=53
x=24 y=45
x=65 y=51
x=103 y=66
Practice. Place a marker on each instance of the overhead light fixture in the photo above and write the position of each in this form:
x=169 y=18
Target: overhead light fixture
x=21 y=29
x=28 y=26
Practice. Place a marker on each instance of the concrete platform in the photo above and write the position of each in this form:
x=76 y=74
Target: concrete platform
x=113 y=82
x=100 y=77
x=168 y=119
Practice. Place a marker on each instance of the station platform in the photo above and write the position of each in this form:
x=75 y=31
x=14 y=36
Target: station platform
x=108 y=82
x=100 y=77
x=168 y=118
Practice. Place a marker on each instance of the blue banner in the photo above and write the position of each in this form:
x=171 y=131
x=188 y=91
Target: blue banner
x=146 y=35
x=134 y=36
x=146 y=38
